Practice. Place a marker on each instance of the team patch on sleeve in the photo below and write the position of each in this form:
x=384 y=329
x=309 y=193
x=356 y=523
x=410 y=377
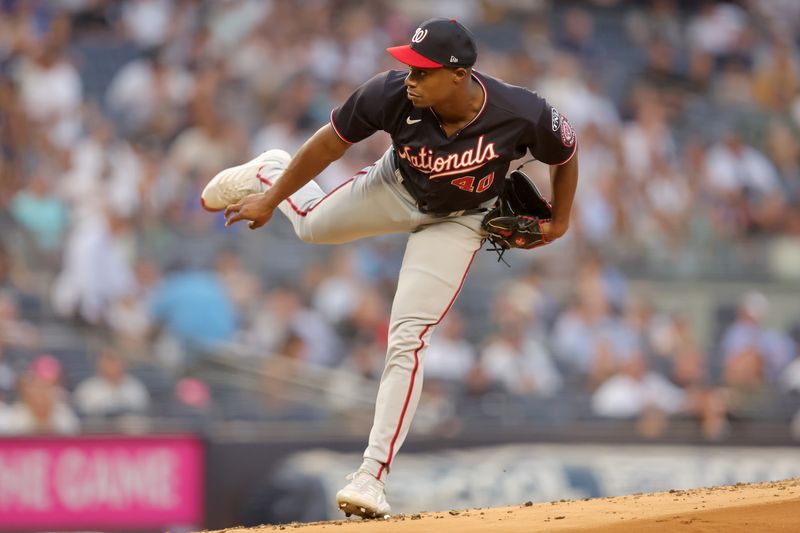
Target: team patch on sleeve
x=567 y=133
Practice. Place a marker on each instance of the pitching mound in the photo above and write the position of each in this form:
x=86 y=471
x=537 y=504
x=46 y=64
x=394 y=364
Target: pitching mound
x=772 y=506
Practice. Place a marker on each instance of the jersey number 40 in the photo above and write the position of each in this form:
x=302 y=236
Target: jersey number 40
x=467 y=183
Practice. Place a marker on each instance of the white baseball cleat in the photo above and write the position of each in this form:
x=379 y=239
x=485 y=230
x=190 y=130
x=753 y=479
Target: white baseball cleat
x=364 y=496
x=234 y=183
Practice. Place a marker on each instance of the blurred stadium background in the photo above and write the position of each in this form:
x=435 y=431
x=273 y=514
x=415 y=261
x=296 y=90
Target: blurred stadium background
x=654 y=347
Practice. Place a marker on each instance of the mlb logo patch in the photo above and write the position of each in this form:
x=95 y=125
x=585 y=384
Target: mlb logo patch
x=567 y=133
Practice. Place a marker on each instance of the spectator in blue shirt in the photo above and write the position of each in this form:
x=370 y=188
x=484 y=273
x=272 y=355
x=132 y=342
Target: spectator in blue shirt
x=194 y=306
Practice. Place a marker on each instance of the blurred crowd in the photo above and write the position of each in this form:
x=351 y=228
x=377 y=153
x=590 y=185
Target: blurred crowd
x=114 y=115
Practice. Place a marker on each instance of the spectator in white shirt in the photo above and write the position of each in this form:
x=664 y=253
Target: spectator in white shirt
x=736 y=168
x=96 y=269
x=51 y=93
x=40 y=408
x=105 y=170
x=111 y=391
x=634 y=390
x=150 y=95
x=521 y=364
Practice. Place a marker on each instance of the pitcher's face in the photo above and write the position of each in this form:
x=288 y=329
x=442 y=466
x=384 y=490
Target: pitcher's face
x=428 y=87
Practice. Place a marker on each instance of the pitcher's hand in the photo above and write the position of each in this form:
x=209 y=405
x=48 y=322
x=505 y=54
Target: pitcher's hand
x=257 y=208
x=553 y=230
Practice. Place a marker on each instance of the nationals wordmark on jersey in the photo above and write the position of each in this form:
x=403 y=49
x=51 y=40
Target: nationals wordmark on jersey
x=455 y=163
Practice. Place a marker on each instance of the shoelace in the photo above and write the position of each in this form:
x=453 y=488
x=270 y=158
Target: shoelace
x=499 y=249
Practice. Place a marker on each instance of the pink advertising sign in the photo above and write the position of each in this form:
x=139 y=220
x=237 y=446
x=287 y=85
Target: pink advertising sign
x=101 y=482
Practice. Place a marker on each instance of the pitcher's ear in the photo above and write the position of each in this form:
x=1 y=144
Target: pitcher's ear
x=460 y=73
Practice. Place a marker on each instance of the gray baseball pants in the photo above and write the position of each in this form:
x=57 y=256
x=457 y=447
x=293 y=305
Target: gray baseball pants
x=438 y=254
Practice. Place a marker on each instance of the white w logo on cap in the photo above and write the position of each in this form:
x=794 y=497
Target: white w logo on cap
x=419 y=35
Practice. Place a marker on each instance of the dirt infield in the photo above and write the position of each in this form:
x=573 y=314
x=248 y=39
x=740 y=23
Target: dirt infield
x=761 y=507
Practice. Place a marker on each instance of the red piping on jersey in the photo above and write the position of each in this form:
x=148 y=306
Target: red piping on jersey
x=480 y=111
x=574 y=151
x=337 y=131
x=305 y=212
x=485 y=99
x=416 y=366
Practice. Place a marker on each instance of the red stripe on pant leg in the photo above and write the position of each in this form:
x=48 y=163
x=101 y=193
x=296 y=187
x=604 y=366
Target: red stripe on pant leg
x=408 y=399
x=330 y=193
x=463 y=278
x=416 y=366
x=294 y=207
x=288 y=200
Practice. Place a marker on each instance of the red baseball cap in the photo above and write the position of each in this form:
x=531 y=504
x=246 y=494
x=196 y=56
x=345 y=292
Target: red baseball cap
x=438 y=43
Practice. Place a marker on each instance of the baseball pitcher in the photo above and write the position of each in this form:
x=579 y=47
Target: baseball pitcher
x=443 y=181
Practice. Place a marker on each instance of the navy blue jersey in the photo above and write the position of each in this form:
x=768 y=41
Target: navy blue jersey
x=467 y=168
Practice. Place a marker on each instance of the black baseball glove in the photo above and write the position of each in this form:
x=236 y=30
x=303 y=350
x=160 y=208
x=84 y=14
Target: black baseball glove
x=516 y=220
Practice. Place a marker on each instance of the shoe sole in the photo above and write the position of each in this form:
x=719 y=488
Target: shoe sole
x=349 y=509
